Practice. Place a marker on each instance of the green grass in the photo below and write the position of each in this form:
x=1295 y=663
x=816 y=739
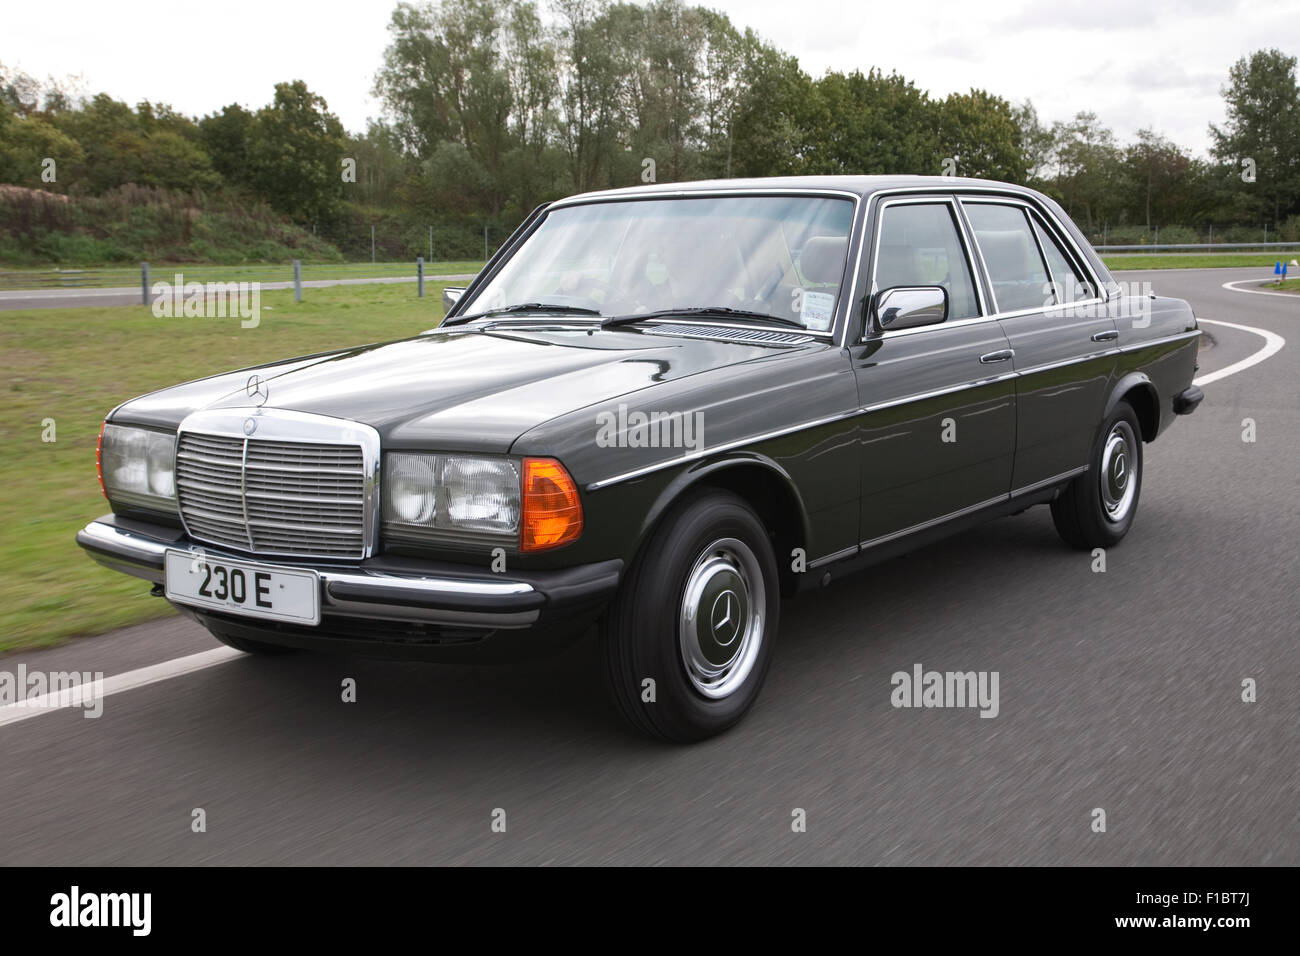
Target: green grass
x=1216 y=260
x=74 y=365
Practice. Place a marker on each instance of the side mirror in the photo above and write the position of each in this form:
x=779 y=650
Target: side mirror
x=908 y=307
x=450 y=296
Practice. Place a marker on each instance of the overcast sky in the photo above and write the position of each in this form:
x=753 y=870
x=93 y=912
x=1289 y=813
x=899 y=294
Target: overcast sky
x=1135 y=63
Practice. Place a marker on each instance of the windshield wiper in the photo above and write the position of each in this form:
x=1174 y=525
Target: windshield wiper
x=719 y=310
x=526 y=307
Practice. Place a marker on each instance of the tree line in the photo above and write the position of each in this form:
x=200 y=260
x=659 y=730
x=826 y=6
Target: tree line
x=493 y=106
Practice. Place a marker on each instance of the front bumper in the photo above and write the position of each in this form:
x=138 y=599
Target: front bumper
x=396 y=590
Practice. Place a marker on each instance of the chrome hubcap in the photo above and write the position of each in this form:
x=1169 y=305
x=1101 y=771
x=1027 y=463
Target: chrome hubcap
x=720 y=625
x=1119 y=471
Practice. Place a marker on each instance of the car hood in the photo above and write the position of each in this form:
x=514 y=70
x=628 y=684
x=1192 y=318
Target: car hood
x=470 y=389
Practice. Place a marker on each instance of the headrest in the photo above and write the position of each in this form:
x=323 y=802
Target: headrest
x=822 y=259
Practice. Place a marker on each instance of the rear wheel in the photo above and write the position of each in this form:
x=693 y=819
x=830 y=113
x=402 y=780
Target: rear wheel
x=1097 y=508
x=687 y=641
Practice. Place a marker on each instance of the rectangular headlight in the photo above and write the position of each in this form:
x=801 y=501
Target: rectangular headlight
x=451 y=498
x=138 y=466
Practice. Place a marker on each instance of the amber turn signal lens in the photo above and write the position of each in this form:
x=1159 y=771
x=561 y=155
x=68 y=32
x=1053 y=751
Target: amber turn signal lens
x=99 y=458
x=552 y=511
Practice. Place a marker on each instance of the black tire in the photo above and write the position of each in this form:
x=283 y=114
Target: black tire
x=715 y=547
x=247 y=645
x=1097 y=508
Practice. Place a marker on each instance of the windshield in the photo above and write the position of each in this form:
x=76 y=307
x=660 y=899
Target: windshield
x=781 y=256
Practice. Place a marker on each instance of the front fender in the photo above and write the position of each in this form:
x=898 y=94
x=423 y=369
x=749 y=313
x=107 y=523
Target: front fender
x=734 y=470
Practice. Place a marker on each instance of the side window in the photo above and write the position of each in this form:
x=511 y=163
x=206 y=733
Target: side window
x=1069 y=284
x=919 y=245
x=1016 y=269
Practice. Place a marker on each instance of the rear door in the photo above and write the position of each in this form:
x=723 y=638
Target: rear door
x=1060 y=332
x=937 y=420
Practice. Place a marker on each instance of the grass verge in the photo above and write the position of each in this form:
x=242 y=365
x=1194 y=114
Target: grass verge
x=72 y=366
x=1215 y=260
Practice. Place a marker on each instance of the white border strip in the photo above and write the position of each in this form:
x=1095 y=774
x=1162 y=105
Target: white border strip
x=1232 y=287
x=1272 y=345
x=61 y=700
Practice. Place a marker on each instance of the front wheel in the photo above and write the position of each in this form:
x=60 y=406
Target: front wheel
x=1097 y=508
x=687 y=641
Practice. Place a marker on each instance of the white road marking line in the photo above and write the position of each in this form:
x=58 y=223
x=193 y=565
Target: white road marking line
x=1232 y=287
x=1272 y=345
x=142 y=677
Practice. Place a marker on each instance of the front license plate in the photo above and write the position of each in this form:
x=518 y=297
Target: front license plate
x=240 y=587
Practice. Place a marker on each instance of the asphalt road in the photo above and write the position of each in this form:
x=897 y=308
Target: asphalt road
x=1118 y=690
x=75 y=298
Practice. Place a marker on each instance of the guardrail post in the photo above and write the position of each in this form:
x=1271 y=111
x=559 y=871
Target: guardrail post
x=419 y=276
x=144 y=283
x=297 y=280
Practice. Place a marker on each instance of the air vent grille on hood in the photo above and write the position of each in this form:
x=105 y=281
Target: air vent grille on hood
x=762 y=336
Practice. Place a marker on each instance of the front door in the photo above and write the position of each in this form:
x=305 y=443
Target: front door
x=938 y=406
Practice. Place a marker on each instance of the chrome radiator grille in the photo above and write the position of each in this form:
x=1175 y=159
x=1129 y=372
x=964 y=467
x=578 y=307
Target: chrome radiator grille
x=273 y=497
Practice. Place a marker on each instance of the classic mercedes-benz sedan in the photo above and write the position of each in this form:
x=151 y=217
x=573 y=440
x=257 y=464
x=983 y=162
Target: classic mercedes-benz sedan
x=658 y=410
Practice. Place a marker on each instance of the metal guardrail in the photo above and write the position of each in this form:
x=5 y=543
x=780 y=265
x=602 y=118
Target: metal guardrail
x=47 y=279
x=1199 y=247
x=131 y=276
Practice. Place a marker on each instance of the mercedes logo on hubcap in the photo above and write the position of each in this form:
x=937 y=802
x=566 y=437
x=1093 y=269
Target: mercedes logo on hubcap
x=724 y=618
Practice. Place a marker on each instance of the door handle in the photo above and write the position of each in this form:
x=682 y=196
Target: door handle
x=999 y=356
x=1110 y=335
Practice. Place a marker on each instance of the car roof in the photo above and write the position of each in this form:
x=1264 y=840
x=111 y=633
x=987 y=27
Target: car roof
x=857 y=185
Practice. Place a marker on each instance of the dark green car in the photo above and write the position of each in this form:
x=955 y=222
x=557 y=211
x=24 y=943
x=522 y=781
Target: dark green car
x=658 y=410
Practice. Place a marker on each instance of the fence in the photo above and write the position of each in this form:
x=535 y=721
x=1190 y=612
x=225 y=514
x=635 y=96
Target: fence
x=1203 y=247
x=270 y=275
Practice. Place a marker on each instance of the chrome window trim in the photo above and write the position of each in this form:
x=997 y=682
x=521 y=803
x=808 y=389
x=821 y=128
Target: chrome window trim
x=984 y=266
x=1029 y=209
x=932 y=199
x=276 y=424
x=1071 y=245
x=1038 y=224
x=974 y=192
x=584 y=199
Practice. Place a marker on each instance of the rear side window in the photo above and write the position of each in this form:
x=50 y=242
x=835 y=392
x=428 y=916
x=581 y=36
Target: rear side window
x=1068 y=283
x=1016 y=269
x=919 y=246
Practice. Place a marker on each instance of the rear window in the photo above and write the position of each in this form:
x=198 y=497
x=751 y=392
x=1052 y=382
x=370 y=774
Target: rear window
x=1016 y=269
